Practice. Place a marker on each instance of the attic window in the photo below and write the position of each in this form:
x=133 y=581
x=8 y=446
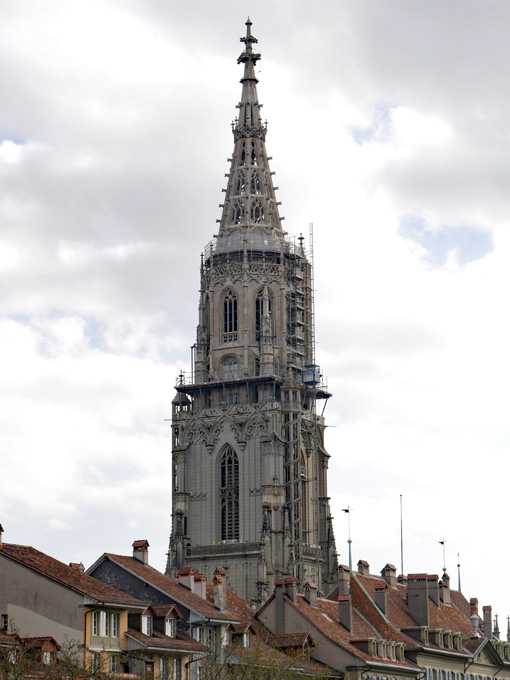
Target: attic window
x=146 y=625
x=170 y=627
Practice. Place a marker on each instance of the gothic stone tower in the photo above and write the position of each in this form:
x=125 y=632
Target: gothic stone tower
x=249 y=463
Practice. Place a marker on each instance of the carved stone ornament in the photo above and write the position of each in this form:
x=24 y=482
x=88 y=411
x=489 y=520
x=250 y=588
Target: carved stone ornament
x=254 y=428
x=195 y=434
x=250 y=132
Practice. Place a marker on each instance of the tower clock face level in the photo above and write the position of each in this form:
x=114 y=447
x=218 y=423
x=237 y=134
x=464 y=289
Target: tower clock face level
x=249 y=461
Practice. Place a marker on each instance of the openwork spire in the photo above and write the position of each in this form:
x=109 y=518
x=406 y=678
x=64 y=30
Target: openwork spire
x=250 y=202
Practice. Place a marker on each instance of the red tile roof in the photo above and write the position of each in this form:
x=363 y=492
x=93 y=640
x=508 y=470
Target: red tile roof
x=181 y=643
x=283 y=640
x=325 y=617
x=448 y=617
x=172 y=588
x=66 y=575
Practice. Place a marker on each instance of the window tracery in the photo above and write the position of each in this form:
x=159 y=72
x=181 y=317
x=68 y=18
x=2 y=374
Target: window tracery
x=255 y=183
x=230 y=368
x=257 y=212
x=237 y=212
x=229 y=317
x=240 y=183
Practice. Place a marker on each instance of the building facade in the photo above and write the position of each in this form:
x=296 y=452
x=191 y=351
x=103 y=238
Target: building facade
x=249 y=461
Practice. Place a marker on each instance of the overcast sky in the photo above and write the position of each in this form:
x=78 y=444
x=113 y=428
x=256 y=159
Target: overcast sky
x=389 y=130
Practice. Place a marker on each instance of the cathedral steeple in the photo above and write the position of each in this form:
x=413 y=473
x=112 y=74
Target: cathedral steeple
x=250 y=202
x=248 y=456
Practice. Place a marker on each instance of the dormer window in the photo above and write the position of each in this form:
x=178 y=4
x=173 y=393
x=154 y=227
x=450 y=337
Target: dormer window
x=146 y=625
x=170 y=627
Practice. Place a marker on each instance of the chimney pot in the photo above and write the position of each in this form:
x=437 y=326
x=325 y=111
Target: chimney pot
x=418 y=598
x=345 y=611
x=381 y=597
x=141 y=551
x=363 y=568
x=473 y=606
x=310 y=593
x=186 y=577
x=433 y=587
x=389 y=574
x=291 y=588
x=487 y=621
x=444 y=589
x=199 y=584
x=344 y=580
x=220 y=594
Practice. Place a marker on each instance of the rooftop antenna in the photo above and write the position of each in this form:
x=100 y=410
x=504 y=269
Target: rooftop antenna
x=444 y=555
x=348 y=511
x=401 y=540
x=458 y=571
x=508 y=628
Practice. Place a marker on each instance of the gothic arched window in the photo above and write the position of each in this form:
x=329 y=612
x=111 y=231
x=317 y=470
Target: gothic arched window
x=255 y=183
x=257 y=211
x=229 y=317
x=240 y=183
x=243 y=155
x=237 y=212
x=253 y=154
x=260 y=311
x=230 y=368
x=229 y=495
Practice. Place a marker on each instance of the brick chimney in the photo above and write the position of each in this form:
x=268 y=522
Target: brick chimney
x=363 y=568
x=311 y=594
x=389 y=574
x=487 y=621
x=186 y=577
x=291 y=588
x=444 y=589
x=141 y=551
x=433 y=586
x=381 y=597
x=200 y=586
x=220 y=594
x=344 y=580
x=345 y=611
x=418 y=598
x=473 y=606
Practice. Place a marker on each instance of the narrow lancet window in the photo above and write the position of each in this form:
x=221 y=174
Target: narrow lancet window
x=229 y=317
x=260 y=310
x=240 y=184
x=237 y=212
x=255 y=183
x=229 y=493
x=257 y=212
